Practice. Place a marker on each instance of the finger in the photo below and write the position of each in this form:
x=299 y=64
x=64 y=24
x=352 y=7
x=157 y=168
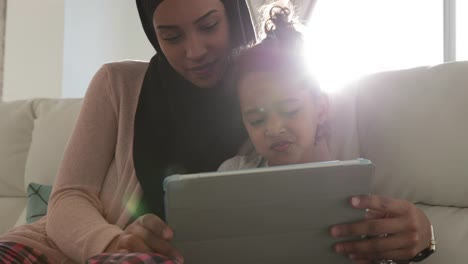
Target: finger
x=380 y=203
x=400 y=255
x=156 y=243
x=156 y=226
x=373 y=247
x=357 y=259
x=373 y=214
x=370 y=227
x=360 y=260
x=164 y=247
x=133 y=243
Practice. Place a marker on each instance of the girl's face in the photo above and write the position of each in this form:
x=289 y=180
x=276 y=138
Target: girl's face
x=194 y=37
x=281 y=117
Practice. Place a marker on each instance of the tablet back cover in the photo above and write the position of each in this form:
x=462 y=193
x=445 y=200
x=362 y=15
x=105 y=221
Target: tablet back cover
x=269 y=215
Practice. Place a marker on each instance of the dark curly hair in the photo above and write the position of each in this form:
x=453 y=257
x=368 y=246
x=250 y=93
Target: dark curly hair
x=281 y=51
x=280 y=26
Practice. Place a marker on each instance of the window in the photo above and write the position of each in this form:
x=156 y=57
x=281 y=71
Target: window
x=302 y=7
x=348 y=39
x=462 y=29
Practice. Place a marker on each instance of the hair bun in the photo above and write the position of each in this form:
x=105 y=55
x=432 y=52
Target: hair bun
x=281 y=27
x=279 y=19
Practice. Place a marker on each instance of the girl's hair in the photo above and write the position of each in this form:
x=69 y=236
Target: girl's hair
x=281 y=51
x=265 y=14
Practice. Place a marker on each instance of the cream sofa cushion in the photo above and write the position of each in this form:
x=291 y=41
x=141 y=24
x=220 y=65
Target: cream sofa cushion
x=33 y=137
x=16 y=125
x=343 y=140
x=451 y=233
x=10 y=208
x=22 y=217
x=413 y=125
x=55 y=120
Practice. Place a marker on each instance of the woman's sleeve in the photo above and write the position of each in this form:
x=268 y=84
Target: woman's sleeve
x=75 y=221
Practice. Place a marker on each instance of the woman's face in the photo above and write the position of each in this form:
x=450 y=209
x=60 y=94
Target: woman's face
x=194 y=37
x=281 y=117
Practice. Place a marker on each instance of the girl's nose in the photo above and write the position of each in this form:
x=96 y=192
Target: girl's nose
x=275 y=128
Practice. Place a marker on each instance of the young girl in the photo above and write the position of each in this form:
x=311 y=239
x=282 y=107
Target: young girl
x=283 y=109
x=285 y=115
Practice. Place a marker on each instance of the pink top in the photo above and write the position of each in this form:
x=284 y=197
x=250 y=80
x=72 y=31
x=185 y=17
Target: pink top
x=96 y=187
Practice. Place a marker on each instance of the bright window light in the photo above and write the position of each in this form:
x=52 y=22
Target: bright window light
x=462 y=30
x=347 y=39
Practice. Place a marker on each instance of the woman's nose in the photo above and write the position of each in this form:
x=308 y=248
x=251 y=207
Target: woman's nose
x=195 y=48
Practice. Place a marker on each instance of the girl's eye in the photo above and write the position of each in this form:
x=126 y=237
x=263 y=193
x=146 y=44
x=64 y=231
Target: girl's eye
x=291 y=113
x=256 y=122
x=289 y=108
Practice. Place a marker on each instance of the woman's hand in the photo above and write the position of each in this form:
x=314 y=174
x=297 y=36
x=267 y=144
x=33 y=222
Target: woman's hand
x=396 y=230
x=147 y=234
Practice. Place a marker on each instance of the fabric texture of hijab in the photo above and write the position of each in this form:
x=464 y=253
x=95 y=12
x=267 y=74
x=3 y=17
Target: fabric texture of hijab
x=180 y=128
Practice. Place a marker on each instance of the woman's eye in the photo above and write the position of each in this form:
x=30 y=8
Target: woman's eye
x=209 y=27
x=172 y=39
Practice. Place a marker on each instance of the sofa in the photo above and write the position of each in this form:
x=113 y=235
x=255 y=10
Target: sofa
x=411 y=123
x=33 y=136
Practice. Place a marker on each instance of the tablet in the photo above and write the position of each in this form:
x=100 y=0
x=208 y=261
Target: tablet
x=269 y=215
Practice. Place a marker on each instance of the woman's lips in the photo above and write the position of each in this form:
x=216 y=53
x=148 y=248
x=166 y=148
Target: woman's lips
x=281 y=146
x=204 y=70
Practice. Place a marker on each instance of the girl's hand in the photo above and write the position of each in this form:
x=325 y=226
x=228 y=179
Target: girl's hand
x=147 y=234
x=396 y=230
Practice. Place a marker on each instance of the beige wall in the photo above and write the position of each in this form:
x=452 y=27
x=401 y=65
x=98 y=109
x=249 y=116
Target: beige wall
x=97 y=32
x=2 y=42
x=54 y=47
x=33 y=49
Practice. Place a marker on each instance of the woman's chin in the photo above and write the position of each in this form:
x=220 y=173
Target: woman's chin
x=206 y=83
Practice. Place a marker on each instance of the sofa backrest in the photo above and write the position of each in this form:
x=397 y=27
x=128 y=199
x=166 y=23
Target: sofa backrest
x=53 y=125
x=16 y=126
x=33 y=137
x=412 y=124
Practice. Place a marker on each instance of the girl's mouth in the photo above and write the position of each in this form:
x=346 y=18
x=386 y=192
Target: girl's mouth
x=281 y=146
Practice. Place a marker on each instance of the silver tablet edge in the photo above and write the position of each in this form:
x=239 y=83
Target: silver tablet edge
x=179 y=177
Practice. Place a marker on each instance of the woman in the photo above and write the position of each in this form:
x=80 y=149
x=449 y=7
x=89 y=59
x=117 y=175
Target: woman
x=140 y=122
x=180 y=116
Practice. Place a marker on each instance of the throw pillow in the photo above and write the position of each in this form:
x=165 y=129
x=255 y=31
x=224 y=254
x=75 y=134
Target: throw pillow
x=38 y=198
